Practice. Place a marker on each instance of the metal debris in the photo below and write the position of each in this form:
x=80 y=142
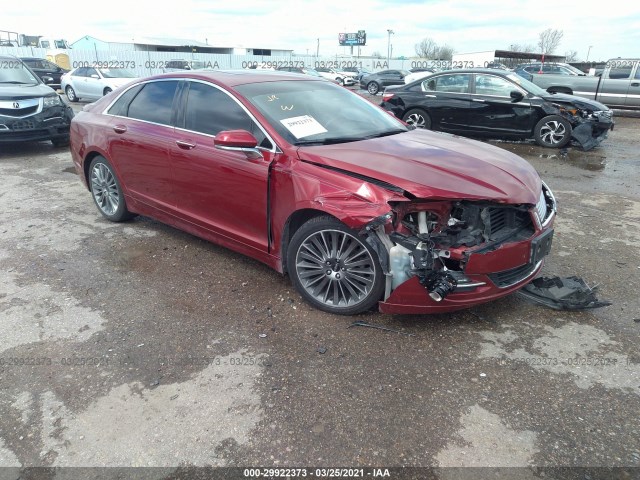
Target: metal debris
x=568 y=293
x=379 y=327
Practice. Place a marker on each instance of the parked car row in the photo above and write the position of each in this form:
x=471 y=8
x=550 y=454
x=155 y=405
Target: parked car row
x=359 y=209
x=92 y=83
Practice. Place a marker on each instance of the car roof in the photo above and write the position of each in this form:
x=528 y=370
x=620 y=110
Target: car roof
x=6 y=56
x=492 y=71
x=32 y=58
x=238 y=77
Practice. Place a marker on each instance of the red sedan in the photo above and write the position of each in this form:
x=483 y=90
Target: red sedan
x=318 y=183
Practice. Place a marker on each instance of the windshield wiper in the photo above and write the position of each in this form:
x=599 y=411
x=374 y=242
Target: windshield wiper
x=330 y=141
x=386 y=134
x=15 y=82
x=334 y=140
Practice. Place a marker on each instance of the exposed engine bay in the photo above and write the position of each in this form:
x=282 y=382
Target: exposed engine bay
x=434 y=240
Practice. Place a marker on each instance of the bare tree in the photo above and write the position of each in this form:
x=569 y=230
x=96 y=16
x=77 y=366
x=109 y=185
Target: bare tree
x=427 y=48
x=445 y=52
x=571 y=56
x=549 y=40
x=516 y=47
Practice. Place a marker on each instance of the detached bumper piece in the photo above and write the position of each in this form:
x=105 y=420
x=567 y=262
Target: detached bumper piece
x=591 y=133
x=569 y=293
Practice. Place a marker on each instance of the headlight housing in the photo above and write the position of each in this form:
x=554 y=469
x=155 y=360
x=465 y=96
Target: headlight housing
x=52 y=101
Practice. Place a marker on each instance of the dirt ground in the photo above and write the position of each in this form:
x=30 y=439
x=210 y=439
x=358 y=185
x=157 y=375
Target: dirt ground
x=138 y=345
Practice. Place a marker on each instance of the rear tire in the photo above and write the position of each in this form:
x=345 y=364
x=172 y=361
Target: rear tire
x=552 y=131
x=107 y=192
x=418 y=118
x=373 y=88
x=333 y=268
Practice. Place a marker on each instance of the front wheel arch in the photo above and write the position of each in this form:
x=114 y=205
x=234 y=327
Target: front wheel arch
x=333 y=268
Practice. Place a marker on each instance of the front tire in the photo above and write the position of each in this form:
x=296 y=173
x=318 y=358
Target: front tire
x=71 y=94
x=333 y=268
x=106 y=191
x=552 y=131
x=373 y=88
x=418 y=118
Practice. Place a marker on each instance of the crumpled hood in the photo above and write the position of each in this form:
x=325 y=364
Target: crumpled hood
x=580 y=102
x=436 y=166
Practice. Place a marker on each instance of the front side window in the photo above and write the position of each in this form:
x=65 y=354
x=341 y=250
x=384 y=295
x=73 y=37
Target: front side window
x=621 y=73
x=154 y=102
x=210 y=111
x=91 y=71
x=494 y=86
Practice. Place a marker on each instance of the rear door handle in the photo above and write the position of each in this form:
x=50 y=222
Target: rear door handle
x=477 y=100
x=430 y=96
x=119 y=128
x=185 y=145
x=635 y=84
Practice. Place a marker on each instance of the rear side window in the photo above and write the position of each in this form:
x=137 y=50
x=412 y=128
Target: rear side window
x=121 y=106
x=154 y=102
x=637 y=77
x=458 y=83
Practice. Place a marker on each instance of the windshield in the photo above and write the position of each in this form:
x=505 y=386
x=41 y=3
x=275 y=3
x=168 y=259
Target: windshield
x=312 y=72
x=573 y=69
x=527 y=85
x=318 y=112
x=117 y=73
x=13 y=71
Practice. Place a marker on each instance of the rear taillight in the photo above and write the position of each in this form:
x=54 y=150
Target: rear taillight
x=387 y=96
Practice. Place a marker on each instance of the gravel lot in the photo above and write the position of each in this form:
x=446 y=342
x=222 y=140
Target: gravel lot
x=138 y=345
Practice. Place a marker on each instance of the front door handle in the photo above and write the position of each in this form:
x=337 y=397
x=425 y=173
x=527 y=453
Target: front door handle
x=635 y=84
x=185 y=145
x=477 y=100
x=119 y=128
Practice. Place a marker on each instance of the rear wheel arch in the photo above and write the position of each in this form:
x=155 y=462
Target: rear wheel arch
x=87 y=164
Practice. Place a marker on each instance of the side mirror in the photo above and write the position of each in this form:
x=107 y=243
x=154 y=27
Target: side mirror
x=238 y=141
x=516 y=96
x=47 y=79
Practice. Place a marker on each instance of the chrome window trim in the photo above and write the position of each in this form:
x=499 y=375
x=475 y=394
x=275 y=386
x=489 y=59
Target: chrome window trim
x=274 y=150
x=533 y=272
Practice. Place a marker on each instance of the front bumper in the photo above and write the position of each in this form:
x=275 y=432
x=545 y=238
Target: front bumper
x=489 y=275
x=590 y=133
x=50 y=123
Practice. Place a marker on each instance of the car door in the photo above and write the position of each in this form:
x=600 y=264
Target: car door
x=493 y=111
x=447 y=101
x=391 y=77
x=77 y=81
x=633 y=95
x=616 y=83
x=140 y=139
x=94 y=83
x=220 y=190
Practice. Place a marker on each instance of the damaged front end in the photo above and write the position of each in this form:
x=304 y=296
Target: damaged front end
x=446 y=255
x=589 y=126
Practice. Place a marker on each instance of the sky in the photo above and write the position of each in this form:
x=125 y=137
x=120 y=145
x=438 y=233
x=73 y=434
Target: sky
x=611 y=29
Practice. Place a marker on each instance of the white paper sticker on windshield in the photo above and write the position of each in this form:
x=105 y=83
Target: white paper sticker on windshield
x=303 y=126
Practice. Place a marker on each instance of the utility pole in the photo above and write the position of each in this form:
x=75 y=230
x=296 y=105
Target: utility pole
x=588 y=52
x=389 y=32
x=318 y=49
